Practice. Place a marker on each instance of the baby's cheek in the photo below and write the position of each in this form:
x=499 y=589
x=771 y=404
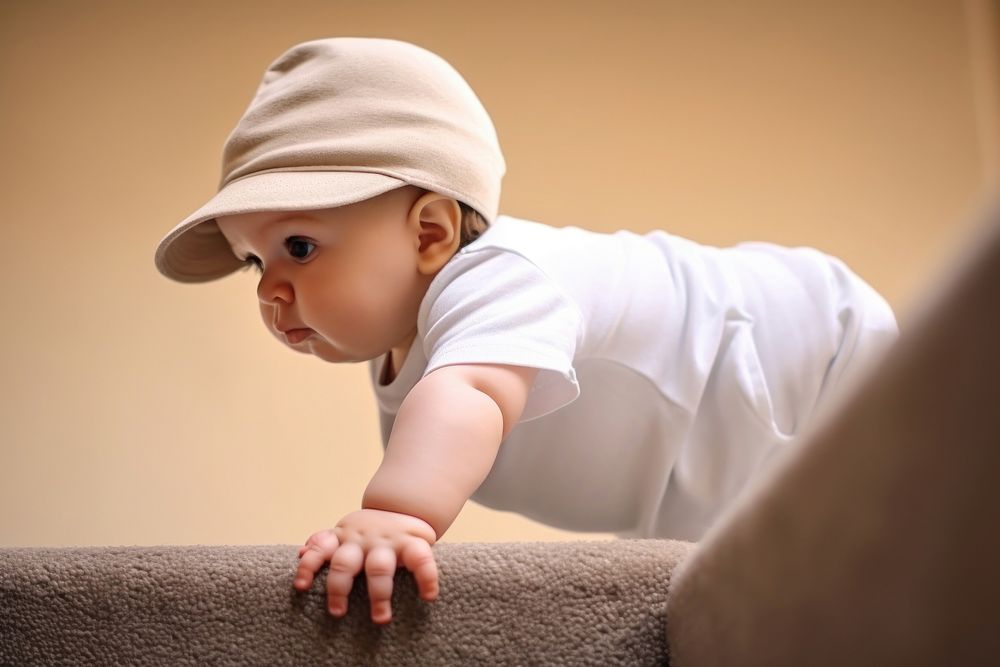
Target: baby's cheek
x=354 y=323
x=349 y=319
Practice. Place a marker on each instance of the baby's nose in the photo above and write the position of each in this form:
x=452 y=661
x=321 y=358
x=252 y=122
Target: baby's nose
x=273 y=289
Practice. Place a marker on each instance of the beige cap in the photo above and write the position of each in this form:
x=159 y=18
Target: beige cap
x=337 y=121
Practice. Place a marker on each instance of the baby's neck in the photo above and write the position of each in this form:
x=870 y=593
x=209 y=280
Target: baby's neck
x=395 y=358
x=390 y=369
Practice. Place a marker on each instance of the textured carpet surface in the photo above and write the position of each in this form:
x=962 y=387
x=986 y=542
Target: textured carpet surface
x=530 y=603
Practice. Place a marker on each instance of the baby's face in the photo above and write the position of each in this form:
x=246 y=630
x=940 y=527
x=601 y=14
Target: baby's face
x=341 y=283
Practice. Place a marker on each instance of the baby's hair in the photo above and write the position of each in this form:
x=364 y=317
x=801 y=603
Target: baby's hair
x=473 y=225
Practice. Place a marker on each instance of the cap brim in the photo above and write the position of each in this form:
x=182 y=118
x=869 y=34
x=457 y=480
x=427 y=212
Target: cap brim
x=195 y=250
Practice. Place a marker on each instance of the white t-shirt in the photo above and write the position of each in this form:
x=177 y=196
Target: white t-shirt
x=669 y=370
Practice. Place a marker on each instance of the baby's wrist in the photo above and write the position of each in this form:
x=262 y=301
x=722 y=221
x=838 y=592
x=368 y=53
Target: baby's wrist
x=412 y=523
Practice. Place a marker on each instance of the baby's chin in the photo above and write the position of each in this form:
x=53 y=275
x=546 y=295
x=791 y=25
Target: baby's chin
x=329 y=353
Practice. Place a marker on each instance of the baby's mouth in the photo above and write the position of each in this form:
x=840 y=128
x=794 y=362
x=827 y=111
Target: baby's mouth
x=294 y=336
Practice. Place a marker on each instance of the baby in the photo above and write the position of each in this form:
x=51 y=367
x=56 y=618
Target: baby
x=621 y=383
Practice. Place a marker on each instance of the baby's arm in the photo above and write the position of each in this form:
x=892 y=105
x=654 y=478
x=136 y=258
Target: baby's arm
x=443 y=444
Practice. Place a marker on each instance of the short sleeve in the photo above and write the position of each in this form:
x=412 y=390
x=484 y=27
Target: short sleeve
x=493 y=306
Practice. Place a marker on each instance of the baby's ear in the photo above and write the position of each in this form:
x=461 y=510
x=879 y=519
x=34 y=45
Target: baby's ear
x=436 y=222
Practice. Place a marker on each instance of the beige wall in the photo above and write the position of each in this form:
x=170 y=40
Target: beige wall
x=138 y=411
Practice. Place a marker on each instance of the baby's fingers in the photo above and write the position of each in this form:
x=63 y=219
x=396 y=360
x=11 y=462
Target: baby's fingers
x=312 y=556
x=344 y=565
x=380 y=566
x=418 y=558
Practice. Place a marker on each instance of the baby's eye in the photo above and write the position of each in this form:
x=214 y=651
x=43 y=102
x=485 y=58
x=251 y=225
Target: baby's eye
x=298 y=247
x=254 y=262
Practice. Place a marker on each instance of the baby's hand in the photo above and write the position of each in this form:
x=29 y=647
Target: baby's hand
x=377 y=541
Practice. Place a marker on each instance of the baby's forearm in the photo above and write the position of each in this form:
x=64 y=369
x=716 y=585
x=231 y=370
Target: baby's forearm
x=443 y=444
